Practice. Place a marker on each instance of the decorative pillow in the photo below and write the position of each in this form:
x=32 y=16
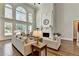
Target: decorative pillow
x=24 y=39
x=22 y=34
x=18 y=37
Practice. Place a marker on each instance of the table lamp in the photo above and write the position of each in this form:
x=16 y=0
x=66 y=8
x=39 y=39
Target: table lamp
x=37 y=34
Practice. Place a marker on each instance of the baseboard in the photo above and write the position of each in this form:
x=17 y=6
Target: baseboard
x=5 y=39
x=65 y=38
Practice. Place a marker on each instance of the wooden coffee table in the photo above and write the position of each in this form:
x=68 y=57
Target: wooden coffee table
x=39 y=48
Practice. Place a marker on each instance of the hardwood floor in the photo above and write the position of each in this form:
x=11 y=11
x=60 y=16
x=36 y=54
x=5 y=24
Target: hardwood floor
x=67 y=48
x=6 y=49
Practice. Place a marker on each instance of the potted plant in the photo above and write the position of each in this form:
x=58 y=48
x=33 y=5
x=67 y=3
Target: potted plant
x=56 y=35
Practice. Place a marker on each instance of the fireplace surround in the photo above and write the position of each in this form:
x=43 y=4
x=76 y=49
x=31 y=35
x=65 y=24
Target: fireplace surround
x=46 y=34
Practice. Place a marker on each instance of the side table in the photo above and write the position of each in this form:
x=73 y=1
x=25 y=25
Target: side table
x=39 y=47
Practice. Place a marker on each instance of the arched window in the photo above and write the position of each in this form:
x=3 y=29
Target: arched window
x=8 y=11
x=20 y=14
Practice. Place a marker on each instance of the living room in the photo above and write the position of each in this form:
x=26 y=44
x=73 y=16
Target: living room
x=25 y=27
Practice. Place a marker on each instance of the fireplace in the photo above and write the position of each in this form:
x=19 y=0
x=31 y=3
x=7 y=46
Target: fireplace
x=45 y=34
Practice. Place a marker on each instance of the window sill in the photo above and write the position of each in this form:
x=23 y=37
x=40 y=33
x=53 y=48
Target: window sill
x=10 y=34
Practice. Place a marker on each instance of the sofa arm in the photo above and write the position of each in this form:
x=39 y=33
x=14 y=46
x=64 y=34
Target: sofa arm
x=27 y=47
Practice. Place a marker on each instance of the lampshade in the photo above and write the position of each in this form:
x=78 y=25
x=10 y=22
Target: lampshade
x=37 y=33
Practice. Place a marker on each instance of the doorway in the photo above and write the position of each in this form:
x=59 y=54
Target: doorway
x=75 y=30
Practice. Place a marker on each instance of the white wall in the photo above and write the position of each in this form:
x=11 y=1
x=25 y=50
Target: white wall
x=65 y=14
x=1 y=23
x=44 y=11
x=38 y=16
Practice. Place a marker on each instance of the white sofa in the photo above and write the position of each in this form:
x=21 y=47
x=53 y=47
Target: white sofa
x=51 y=43
x=23 y=48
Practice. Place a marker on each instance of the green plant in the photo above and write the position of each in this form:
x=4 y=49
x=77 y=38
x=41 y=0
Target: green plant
x=58 y=34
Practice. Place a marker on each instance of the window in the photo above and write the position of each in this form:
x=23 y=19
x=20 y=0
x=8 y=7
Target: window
x=8 y=28
x=8 y=11
x=20 y=14
x=30 y=17
x=21 y=27
x=30 y=29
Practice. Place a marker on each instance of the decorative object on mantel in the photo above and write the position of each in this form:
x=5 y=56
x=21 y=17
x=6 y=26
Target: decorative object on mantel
x=44 y=28
x=37 y=34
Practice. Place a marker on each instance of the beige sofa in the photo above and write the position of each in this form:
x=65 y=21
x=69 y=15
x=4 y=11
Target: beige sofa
x=51 y=43
x=23 y=48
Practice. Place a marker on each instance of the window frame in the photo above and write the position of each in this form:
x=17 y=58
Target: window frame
x=29 y=29
x=21 y=26
x=29 y=19
x=13 y=19
x=8 y=8
x=11 y=28
x=23 y=12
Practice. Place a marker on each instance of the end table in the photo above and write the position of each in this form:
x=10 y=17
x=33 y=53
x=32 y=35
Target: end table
x=39 y=47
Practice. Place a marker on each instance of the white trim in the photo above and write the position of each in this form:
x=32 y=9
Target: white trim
x=4 y=39
x=65 y=38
